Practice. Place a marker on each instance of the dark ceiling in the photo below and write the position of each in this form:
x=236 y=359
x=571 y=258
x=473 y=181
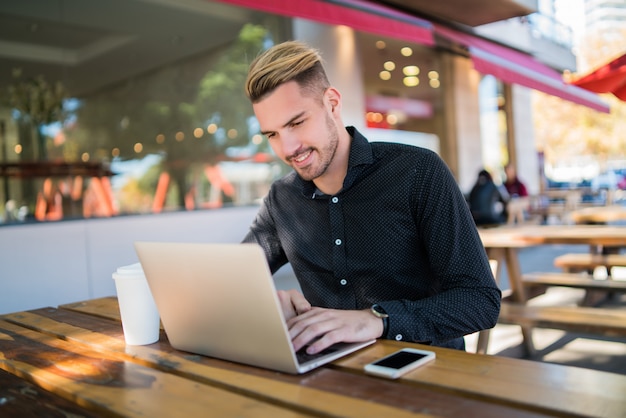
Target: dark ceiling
x=92 y=43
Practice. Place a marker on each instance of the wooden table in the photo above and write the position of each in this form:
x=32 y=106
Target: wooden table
x=503 y=243
x=599 y=214
x=72 y=361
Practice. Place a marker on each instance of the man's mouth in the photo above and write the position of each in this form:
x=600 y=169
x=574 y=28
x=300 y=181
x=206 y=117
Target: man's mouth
x=301 y=157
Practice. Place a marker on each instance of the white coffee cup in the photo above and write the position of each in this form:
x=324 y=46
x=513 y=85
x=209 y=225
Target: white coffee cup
x=140 y=317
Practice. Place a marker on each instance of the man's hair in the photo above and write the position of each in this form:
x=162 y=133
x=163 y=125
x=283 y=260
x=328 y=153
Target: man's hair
x=288 y=61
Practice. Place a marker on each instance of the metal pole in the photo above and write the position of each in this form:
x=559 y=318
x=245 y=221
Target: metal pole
x=3 y=139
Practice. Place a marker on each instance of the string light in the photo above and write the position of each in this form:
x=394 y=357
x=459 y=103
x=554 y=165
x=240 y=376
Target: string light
x=384 y=75
x=389 y=65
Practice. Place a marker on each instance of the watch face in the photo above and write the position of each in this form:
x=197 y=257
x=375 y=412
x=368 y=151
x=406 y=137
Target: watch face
x=379 y=312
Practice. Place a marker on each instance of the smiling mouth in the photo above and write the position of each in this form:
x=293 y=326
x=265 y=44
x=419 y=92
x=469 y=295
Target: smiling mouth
x=301 y=157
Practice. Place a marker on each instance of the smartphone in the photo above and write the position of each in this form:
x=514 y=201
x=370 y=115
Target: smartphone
x=400 y=362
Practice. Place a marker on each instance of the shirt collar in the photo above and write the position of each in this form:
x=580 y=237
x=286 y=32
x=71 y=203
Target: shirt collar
x=360 y=155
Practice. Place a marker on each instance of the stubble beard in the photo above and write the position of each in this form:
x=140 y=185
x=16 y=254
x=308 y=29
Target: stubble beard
x=326 y=154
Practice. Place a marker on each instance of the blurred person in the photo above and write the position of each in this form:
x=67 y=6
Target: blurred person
x=486 y=201
x=513 y=184
x=10 y=211
x=519 y=200
x=49 y=205
x=378 y=234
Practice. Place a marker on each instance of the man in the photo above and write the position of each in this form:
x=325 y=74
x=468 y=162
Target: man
x=486 y=202
x=378 y=234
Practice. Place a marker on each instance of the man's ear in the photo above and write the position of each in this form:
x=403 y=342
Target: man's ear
x=333 y=98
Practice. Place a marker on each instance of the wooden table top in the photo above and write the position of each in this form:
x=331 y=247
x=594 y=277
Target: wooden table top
x=599 y=214
x=529 y=235
x=76 y=357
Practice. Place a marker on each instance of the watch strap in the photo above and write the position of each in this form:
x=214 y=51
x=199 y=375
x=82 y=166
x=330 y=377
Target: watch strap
x=379 y=312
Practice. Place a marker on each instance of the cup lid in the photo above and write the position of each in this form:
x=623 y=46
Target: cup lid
x=130 y=269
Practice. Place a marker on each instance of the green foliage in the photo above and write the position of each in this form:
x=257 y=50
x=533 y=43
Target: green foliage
x=567 y=131
x=36 y=98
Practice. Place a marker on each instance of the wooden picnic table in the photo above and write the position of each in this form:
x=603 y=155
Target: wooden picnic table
x=72 y=361
x=503 y=243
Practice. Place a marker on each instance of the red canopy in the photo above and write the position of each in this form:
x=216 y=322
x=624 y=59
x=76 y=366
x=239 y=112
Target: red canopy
x=610 y=78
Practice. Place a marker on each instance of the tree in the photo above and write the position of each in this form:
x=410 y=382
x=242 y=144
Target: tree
x=566 y=131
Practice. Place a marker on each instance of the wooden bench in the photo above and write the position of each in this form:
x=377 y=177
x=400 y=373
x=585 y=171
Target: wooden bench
x=576 y=262
x=575 y=280
x=596 y=291
x=602 y=321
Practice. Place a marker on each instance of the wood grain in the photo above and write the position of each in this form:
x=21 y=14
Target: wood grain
x=324 y=391
x=524 y=384
x=20 y=398
x=105 y=384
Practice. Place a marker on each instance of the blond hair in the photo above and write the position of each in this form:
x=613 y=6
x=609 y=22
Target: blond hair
x=288 y=61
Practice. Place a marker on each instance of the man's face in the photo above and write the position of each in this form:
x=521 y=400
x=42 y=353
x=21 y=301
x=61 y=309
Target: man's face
x=301 y=129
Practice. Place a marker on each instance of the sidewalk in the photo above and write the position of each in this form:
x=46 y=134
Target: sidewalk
x=554 y=346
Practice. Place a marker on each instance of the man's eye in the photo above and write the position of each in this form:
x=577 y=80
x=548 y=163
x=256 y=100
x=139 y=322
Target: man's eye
x=297 y=123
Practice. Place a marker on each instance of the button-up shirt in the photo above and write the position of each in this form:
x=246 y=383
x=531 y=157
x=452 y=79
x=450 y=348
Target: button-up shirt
x=399 y=234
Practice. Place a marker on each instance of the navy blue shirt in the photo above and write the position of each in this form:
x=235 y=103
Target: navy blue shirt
x=399 y=234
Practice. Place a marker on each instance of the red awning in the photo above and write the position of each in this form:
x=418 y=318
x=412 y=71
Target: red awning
x=358 y=14
x=515 y=67
x=610 y=78
x=488 y=57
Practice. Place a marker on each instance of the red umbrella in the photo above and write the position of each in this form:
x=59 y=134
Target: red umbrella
x=610 y=78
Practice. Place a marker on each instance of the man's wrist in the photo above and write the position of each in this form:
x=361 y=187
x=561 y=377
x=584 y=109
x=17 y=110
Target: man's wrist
x=379 y=312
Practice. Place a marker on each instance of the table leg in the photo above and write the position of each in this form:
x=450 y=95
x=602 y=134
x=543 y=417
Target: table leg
x=496 y=258
x=519 y=294
x=483 y=341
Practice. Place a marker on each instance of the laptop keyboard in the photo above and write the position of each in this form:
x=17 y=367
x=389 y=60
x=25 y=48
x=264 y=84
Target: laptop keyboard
x=304 y=357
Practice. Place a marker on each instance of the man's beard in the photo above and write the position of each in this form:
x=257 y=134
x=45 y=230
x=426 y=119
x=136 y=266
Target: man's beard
x=325 y=154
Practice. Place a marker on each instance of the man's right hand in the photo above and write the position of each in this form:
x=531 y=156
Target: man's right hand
x=293 y=303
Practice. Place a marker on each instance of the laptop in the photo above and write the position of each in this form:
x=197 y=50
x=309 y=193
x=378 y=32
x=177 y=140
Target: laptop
x=219 y=300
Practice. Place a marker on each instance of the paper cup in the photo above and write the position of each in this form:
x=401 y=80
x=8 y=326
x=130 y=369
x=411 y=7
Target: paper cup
x=140 y=317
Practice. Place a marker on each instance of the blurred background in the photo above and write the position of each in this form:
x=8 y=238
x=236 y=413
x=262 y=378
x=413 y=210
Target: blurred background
x=135 y=107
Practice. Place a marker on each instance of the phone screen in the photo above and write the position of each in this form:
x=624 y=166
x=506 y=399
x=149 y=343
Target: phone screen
x=399 y=359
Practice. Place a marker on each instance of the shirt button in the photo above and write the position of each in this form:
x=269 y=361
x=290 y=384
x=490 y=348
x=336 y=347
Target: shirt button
x=343 y=282
x=337 y=242
x=399 y=337
x=335 y=199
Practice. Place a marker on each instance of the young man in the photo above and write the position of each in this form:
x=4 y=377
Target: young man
x=378 y=234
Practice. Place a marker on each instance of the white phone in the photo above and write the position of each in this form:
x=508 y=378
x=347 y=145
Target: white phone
x=399 y=363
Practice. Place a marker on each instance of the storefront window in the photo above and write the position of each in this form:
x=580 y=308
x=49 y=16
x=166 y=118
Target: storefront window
x=112 y=108
x=403 y=87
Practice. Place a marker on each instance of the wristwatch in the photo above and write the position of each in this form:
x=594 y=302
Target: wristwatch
x=379 y=312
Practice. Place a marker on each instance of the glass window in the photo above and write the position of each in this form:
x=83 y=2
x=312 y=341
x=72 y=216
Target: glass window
x=125 y=107
x=403 y=89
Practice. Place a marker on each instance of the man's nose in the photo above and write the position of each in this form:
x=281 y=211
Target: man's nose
x=290 y=144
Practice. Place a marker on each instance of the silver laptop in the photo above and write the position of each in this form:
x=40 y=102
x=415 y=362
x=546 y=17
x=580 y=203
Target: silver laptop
x=219 y=300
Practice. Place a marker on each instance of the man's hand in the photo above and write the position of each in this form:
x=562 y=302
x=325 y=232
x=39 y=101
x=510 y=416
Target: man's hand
x=329 y=326
x=293 y=303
